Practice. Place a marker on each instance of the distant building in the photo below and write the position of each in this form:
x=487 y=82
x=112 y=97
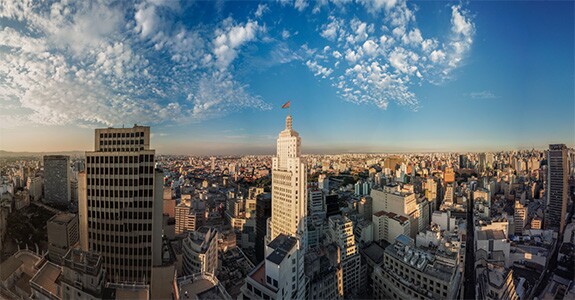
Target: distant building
x=557 y=187
x=34 y=186
x=201 y=251
x=63 y=234
x=519 y=217
x=57 y=179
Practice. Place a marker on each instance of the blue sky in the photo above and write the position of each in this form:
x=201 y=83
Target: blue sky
x=210 y=76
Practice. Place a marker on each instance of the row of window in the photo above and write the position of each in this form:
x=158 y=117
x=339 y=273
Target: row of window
x=125 y=159
x=97 y=226
x=132 y=251
x=109 y=182
x=122 y=149
x=121 y=142
x=121 y=134
x=131 y=239
x=138 y=203
x=120 y=193
x=130 y=215
x=120 y=171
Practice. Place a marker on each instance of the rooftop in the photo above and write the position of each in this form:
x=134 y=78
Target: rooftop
x=490 y=234
x=282 y=245
x=442 y=266
x=9 y=266
x=46 y=279
x=62 y=218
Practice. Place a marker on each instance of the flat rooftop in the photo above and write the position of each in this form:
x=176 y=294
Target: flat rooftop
x=62 y=218
x=282 y=245
x=46 y=278
x=490 y=234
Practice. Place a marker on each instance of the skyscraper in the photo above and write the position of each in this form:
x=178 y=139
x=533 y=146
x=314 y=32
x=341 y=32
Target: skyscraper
x=289 y=184
x=120 y=204
x=557 y=185
x=57 y=179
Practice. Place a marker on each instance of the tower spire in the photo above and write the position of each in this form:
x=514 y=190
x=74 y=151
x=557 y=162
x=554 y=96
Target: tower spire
x=289 y=122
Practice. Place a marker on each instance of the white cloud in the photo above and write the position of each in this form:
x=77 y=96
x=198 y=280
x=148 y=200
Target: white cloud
x=382 y=64
x=370 y=47
x=482 y=95
x=330 y=30
x=375 y=6
x=301 y=4
x=91 y=64
x=230 y=38
x=262 y=8
x=318 y=69
x=285 y=34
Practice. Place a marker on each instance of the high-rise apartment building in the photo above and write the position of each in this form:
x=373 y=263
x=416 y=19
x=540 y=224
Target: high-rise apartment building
x=120 y=204
x=316 y=202
x=341 y=232
x=557 y=187
x=57 y=179
x=281 y=275
x=263 y=212
x=289 y=186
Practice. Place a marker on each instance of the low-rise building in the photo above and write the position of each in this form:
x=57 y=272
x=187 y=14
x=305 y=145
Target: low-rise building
x=410 y=272
x=62 y=235
x=387 y=226
x=200 y=251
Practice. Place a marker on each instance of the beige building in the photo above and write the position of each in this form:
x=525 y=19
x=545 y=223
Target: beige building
x=82 y=276
x=324 y=272
x=200 y=252
x=341 y=232
x=387 y=226
x=289 y=186
x=519 y=217
x=62 y=235
x=120 y=203
x=190 y=215
x=400 y=202
x=409 y=272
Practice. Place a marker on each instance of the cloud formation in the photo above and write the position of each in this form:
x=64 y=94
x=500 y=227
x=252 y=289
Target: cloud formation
x=106 y=62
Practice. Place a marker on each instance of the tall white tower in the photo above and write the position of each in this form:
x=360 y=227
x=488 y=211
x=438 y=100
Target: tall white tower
x=289 y=184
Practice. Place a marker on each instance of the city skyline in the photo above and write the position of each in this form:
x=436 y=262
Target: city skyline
x=209 y=78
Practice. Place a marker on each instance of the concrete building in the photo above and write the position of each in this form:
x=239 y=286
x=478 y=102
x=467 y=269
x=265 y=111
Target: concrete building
x=316 y=202
x=57 y=175
x=557 y=187
x=63 y=234
x=21 y=199
x=44 y=285
x=120 y=204
x=34 y=186
x=201 y=251
x=409 y=272
x=263 y=213
x=190 y=216
x=519 y=217
x=341 y=232
x=387 y=226
x=201 y=286
x=289 y=187
x=496 y=282
x=278 y=276
x=400 y=202
x=324 y=271
x=82 y=276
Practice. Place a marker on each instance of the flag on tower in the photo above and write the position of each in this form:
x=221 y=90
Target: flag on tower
x=286 y=105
